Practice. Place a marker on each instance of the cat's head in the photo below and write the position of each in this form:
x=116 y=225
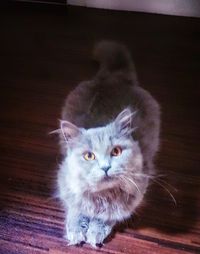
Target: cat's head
x=103 y=157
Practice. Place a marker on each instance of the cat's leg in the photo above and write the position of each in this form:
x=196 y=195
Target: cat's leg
x=98 y=230
x=76 y=228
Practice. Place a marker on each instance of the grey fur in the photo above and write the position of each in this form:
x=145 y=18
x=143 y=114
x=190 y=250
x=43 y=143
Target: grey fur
x=91 y=121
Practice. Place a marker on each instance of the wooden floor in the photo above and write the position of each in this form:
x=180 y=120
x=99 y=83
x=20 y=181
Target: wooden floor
x=44 y=53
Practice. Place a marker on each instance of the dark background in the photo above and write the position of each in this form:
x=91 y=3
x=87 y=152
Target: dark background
x=44 y=52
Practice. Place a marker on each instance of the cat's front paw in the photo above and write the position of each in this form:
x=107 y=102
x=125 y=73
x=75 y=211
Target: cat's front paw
x=75 y=237
x=97 y=232
x=76 y=230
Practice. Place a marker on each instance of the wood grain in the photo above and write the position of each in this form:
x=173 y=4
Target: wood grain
x=44 y=54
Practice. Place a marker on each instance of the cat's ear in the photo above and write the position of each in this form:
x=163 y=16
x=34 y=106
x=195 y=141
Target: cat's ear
x=69 y=130
x=123 y=122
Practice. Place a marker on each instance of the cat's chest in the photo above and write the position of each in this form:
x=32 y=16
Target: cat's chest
x=109 y=207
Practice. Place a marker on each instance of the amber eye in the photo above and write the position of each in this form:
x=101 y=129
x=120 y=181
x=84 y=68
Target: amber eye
x=89 y=156
x=116 y=151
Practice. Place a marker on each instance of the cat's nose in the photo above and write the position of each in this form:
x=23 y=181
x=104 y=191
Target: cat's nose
x=106 y=168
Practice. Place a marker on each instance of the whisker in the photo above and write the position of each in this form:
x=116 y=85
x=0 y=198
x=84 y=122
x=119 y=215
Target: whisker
x=156 y=176
x=167 y=190
x=171 y=186
x=57 y=131
x=147 y=175
x=152 y=177
x=130 y=180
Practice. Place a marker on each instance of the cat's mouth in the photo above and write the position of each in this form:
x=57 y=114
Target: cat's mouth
x=107 y=178
x=106 y=182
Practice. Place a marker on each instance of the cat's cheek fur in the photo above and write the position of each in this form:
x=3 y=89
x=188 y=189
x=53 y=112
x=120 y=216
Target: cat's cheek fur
x=69 y=178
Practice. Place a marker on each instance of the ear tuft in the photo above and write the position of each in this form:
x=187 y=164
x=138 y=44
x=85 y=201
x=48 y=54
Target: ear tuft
x=69 y=130
x=123 y=122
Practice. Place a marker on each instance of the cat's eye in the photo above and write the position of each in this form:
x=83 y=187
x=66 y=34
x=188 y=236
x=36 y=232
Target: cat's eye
x=116 y=151
x=89 y=156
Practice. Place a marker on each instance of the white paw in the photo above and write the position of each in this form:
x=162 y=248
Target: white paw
x=94 y=238
x=97 y=232
x=75 y=237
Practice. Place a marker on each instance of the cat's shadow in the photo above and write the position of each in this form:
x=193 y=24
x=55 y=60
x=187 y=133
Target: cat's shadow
x=170 y=206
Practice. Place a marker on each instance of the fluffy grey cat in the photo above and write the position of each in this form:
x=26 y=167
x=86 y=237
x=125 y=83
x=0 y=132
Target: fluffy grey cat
x=109 y=137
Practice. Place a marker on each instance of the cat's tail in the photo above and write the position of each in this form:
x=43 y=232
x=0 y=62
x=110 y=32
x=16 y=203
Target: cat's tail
x=112 y=56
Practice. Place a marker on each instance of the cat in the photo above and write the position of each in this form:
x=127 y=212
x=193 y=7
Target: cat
x=109 y=135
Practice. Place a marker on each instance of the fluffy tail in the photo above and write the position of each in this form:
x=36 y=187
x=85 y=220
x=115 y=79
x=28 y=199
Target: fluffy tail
x=112 y=56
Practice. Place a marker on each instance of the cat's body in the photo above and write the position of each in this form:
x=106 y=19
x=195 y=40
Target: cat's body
x=108 y=155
